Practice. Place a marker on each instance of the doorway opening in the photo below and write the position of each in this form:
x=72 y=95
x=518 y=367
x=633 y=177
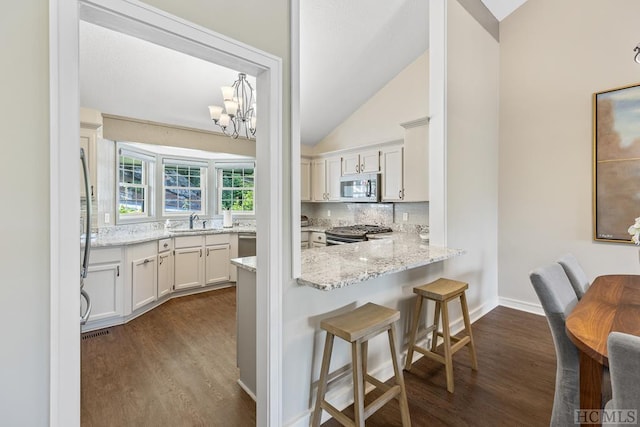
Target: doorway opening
x=148 y=23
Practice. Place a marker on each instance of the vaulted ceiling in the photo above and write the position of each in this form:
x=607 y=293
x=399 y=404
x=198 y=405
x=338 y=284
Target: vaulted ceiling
x=349 y=50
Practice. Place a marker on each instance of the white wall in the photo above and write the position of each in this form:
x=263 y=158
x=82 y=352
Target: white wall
x=24 y=130
x=402 y=99
x=24 y=221
x=554 y=56
x=472 y=156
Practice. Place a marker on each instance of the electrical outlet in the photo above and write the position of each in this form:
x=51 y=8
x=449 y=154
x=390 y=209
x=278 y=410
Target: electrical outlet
x=405 y=216
x=107 y=218
x=328 y=212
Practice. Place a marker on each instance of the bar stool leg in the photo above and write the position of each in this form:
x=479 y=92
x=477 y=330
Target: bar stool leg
x=358 y=384
x=414 y=332
x=434 y=334
x=322 y=383
x=447 y=346
x=467 y=325
x=404 y=405
x=365 y=350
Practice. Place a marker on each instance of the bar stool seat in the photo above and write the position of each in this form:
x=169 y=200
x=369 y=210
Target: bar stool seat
x=442 y=291
x=357 y=327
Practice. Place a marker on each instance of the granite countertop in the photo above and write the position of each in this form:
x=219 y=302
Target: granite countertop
x=335 y=267
x=315 y=228
x=248 y=263
x=130 y=238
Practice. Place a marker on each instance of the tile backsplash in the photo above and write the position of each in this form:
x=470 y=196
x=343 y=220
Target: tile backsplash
x=389 y=214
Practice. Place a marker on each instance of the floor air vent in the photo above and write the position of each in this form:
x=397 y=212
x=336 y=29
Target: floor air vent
x=90 y=335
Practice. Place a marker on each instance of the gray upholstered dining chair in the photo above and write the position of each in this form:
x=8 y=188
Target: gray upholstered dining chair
x=558 y=300
x=575 y=273
x=624 y=367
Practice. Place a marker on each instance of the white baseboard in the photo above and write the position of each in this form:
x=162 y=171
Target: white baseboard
x=247 y=390
x=341 y=395
x=521 y=305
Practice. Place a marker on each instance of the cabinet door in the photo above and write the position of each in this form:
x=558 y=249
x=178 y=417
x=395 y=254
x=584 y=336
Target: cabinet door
x=305 y=180
x=144 y=281
x=370 y=161
x=105 y=288
x=318 y=181
x=334 y=172
x=188 y=264
x=392 y=174
x=165 y=273
x=416 y=164
x=217 y=264
x=350 y=164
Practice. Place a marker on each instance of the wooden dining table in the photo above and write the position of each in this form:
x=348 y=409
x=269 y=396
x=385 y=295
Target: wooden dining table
x=612 y=303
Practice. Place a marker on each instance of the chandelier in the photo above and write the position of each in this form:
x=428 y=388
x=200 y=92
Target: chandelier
x=238 y=116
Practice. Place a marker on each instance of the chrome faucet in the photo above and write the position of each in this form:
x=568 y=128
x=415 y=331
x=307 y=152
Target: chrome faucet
x=192 y=218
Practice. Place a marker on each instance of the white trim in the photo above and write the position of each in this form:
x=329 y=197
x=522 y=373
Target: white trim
x=64 y=146
x=296 y=252
x=246 y=390
x=521 y=305
x=438 y=122
x=143 y=21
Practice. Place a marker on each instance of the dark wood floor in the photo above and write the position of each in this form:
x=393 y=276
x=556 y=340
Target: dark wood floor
x=514 y=384
x=173 y=366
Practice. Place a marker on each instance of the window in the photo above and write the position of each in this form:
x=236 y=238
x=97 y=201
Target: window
x=184 y=187
x=133 y=190
x=236 y=188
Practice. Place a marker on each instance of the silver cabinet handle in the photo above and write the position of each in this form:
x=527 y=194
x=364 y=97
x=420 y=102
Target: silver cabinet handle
x=166 y=245
x=399 y=194
x=200 y=253
x=357 y=168
x=146 y=261
x=207 y=251
x=84 y=317
x=161 y=258
x=362 y=167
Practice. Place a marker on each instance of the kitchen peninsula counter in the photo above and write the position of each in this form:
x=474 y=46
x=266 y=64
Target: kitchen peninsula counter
x=333 y=267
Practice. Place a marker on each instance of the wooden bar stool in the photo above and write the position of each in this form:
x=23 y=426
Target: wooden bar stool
x=442 y=291
x=358 y=327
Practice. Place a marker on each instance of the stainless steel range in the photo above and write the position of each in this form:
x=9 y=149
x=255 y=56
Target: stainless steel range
x=353 y=233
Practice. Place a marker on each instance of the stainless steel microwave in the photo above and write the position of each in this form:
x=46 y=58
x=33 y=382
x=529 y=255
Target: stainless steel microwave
x=360 y=188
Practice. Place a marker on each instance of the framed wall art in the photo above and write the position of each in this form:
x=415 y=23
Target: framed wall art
x=616 y=162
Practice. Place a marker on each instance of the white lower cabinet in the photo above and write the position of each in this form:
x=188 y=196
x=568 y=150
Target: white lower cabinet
x=165 y=273
x=105 y=286
x=217 y=264
x=142 y=260
x=144 y=288
x=188 y=264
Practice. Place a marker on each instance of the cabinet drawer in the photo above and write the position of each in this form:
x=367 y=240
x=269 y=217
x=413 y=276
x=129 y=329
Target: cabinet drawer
x=188 y=241
x=318 y=237
x=215 y=239
x=165 y=244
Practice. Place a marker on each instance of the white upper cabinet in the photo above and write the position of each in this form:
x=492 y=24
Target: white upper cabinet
x=305 y=180
x=416 y=161
x=361 y=162
x=325 y=179
x=392 y=173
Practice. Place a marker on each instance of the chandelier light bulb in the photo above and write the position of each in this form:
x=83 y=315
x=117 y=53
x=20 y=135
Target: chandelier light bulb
x=227 y=92
x=224 y=120
x=215 y=112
